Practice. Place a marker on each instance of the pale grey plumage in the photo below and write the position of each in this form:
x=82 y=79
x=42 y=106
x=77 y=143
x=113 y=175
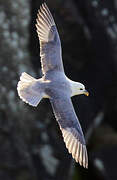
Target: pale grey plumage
x=56 y=86
x=50 y=45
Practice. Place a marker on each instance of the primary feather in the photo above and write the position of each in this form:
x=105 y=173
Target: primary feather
x=50 y=45
x=70 y=127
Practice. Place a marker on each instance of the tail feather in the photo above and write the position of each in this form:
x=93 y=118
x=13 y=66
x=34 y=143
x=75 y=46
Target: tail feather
x=26 y=77
x=29 y=90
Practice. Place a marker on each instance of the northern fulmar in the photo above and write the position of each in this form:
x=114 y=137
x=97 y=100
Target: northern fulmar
x=55 y=86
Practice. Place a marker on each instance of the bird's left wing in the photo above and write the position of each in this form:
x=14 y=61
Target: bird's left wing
x=70 y=127
x=50 y=45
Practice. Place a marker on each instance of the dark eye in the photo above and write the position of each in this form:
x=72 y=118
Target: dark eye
x=81 y=89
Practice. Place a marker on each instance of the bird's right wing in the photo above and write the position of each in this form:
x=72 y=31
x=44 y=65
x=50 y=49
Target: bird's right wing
x=70 y=127
x=50 y=45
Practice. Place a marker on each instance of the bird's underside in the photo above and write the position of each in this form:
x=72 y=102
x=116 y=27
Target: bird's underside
x=55 y=86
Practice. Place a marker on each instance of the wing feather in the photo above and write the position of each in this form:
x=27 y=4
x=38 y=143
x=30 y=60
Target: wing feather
x=50 y=45
x=71 y=129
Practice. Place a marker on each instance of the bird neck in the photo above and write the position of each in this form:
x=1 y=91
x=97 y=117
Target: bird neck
x=74 y=87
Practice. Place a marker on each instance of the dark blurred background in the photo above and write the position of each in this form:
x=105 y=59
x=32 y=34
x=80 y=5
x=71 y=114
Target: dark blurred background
x=31 y=146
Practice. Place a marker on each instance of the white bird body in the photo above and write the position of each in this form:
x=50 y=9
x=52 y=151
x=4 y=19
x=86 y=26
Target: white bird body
x=55 y=86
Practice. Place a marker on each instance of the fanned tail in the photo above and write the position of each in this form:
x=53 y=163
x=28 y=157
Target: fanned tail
x=29 y=89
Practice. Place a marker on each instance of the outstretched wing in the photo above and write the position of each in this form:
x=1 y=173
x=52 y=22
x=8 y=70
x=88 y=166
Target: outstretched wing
x=70 y=127
x=50 y=45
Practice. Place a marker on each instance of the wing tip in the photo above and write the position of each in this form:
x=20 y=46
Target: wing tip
x=44 y=22
x=76 y=148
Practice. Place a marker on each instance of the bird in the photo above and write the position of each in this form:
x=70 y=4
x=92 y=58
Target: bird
x=55 y=86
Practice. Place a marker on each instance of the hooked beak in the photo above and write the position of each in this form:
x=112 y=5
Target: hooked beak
x=86 y=92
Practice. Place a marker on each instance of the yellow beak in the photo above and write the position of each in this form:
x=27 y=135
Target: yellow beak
x=86 y=92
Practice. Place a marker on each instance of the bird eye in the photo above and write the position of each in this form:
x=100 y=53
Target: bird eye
x=81 y=89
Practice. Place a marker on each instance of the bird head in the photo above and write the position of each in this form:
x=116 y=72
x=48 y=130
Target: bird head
x=78 y=88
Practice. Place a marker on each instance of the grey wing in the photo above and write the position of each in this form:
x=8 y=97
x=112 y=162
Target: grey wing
x=50 y=45
x=71 y=129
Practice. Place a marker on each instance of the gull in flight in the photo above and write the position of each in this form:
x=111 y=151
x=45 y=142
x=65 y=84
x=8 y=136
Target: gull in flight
x=55 y=86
